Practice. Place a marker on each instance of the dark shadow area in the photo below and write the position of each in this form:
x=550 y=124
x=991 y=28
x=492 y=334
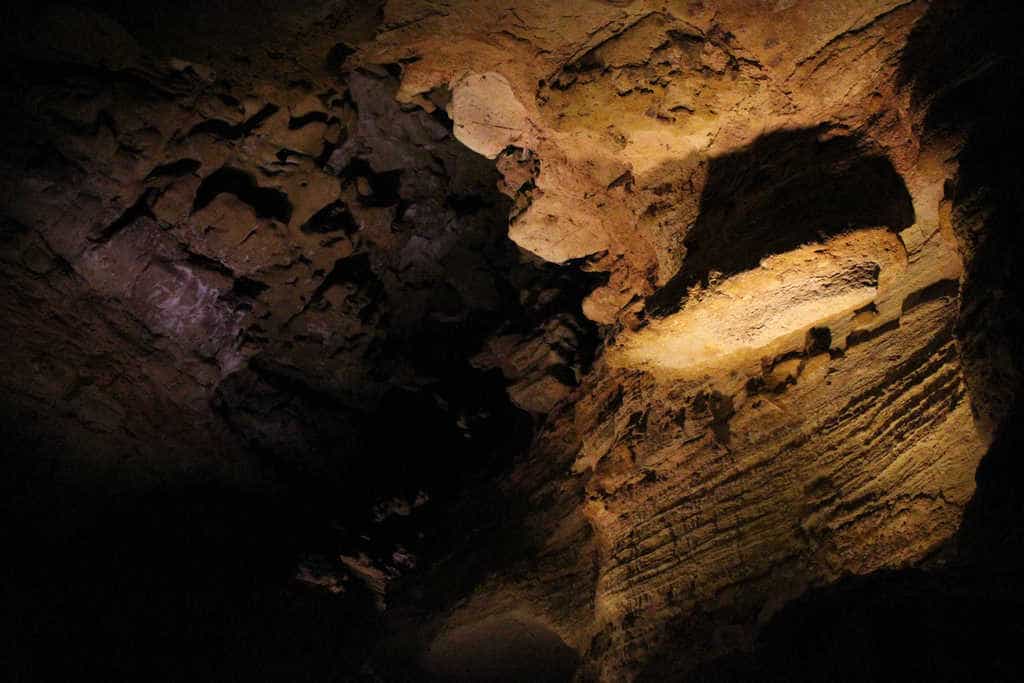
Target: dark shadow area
x=112 y=576
x=175 y=169
x=385 y=188
x=186 y=580
x=912 y=626
x=501 y=649
x=788 y=188
x=333 y=217
x=267 y=202
x=229 y=131
x=963 y=64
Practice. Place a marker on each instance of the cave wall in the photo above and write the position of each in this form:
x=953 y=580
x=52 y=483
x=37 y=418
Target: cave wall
x=625 y=334
x=755 y=428
x=240 y=295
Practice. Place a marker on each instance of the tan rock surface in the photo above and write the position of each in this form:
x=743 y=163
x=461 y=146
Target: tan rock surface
x=792 y=407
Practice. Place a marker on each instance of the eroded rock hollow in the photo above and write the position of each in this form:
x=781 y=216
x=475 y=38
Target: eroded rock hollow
x=464 y=341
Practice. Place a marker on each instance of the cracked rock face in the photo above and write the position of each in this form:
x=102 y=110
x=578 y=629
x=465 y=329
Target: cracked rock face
x=590 y=340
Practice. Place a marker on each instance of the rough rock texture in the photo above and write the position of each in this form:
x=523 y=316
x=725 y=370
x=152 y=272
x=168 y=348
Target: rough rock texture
x=767 y=417
x=606 y=340
x=224 y=278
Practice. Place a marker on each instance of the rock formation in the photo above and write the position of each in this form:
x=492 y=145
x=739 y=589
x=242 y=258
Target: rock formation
x=420 y=340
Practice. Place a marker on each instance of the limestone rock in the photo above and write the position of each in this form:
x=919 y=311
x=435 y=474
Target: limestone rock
x=487 y=116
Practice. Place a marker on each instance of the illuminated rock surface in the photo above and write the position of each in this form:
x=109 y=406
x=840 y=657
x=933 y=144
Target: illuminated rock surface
x=459 y=340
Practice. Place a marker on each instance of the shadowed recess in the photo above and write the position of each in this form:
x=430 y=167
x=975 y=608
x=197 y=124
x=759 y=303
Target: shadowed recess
x=788 y=188
x=333 y=217
x=502 y=648
x=230 y=131
x=266 y=202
